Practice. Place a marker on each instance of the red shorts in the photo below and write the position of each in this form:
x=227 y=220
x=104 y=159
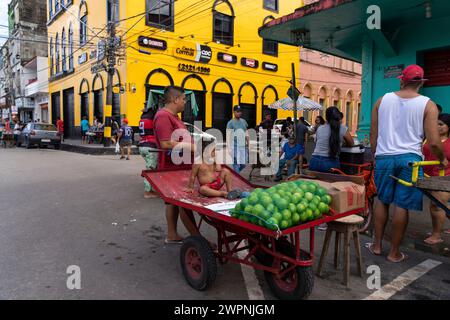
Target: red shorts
x=215 y=185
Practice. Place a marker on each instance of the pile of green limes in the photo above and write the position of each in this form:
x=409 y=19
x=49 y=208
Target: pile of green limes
x=284 y=205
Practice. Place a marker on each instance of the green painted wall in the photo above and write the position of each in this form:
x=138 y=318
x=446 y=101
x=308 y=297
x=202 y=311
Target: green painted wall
x=411 y=40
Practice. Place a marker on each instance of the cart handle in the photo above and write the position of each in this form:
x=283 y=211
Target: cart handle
x=416 y=166
x=415 y=172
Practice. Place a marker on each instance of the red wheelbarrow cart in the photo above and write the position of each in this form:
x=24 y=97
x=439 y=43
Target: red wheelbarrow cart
x=287 y=263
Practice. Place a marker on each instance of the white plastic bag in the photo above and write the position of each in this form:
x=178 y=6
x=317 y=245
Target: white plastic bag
x=117 y=148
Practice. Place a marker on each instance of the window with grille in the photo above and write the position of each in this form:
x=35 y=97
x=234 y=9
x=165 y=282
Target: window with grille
x=271 y=5
x=223 y=28
x=83 y=30
x=270 y=47
x=160 y=13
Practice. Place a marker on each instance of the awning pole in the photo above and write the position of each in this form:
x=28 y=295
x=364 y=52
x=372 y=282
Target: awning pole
x=295 y=100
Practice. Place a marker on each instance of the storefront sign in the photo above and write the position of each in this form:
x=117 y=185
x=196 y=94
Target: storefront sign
x=193 y=69
x=226 y=57
x=101 y=50
x=152 y=43
x=14 y=109
x=393 y=71
x=193 y=51
x=83 y=58
x=251 y=63
x=270 y=66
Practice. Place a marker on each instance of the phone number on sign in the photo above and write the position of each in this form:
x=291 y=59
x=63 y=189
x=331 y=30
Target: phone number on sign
x=192 y=68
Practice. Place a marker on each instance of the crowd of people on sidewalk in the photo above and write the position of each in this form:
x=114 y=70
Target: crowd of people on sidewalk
x=423 y=134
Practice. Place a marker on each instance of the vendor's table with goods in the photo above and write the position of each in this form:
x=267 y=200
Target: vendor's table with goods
x=265 y=227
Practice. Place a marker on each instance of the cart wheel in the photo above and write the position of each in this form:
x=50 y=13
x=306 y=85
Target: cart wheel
x=198 y=262
x=297 y=284
x=368 y=214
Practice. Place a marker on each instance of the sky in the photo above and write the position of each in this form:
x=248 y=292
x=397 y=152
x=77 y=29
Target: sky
x=3 y=20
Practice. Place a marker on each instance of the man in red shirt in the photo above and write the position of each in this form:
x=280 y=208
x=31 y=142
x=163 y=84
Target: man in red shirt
x=60 y=127
x=166 y=122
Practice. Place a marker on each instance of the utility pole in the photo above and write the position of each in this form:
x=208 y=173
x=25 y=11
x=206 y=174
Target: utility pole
x=111 y=65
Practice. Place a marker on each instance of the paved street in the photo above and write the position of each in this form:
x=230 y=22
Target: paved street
x=59 y=209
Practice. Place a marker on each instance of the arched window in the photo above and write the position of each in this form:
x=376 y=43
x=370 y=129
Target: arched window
x=83 y=23
x=223 y=22
x=270 y=47
x=63 y=50
x=160 y=13
x=51 y=55
x=50 y=9
x=70 y=47
x=57 y=54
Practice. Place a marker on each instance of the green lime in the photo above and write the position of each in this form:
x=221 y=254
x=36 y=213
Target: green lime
x=265 y=201
x=281 y=204
x=301 y=208
x=253 y=199
x=257 y=190
x=265 y=215
x=304 y=187
x=309 y=196
x=248 y=209
x=254 y=220
x=295 y=218
x=270 y=208
x=258 y=210
x=292 y=207
x=284 y=224
x=286 y=214
x=309 y=214
x=312 y=206
x=324 y=208
x=326 y=199
x=277 y=216
x=321 y=191
x=317 y=199
x=238 y=206
x=282 y=193
x=243 y=217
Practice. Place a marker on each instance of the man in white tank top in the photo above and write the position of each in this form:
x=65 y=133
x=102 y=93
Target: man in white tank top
x=400 y=122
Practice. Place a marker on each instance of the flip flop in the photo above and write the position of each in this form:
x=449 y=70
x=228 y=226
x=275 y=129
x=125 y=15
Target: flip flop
x=234 y=194
x=151 y=196
x=403 y=258
x=368 y=246
x=433 y=242
x=168 y=241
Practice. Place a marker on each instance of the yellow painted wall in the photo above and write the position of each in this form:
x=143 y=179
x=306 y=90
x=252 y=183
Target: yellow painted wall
x=191 y=18
x=195 y=18
x=96 y=21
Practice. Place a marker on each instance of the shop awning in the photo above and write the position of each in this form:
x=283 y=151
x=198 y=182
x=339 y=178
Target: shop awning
x=338 y=27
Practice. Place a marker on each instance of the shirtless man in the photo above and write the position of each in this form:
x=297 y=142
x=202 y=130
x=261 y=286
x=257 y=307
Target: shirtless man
x=212 y=177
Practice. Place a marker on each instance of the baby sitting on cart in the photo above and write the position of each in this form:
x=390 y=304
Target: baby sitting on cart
x=211 y=176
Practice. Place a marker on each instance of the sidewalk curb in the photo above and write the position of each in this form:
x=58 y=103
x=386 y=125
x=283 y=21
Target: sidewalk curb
x=98 y=151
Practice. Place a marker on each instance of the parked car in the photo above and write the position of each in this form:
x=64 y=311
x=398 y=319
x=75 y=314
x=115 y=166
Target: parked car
x=278 y=124
x=42 y=134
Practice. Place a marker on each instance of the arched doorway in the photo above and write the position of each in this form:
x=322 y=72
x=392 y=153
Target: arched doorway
x=248 y=97
x=195 y=84
x=322 y=99
x=336 y=102
x=349 y=110
x=157 y=79
x=222 y=104
x=84 y=101
x=115 y=114
x=269 y=96
x=98 y=89
x=307 y=93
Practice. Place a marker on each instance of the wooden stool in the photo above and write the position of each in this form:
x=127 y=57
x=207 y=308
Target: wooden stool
x=345 y=226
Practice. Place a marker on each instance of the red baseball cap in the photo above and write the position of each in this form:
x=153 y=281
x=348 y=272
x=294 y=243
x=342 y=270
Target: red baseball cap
x=413 y=73
x=125 y=120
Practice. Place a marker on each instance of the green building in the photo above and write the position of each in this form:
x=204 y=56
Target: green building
x=384 y=35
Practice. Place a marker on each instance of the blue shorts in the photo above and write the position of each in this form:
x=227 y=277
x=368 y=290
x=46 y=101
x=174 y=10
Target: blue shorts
x=389 y=190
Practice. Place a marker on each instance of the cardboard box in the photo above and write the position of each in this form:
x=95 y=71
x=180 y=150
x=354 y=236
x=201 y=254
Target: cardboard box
x=347 y=193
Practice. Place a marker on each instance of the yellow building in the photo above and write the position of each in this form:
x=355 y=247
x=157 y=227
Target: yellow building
x=209 y=47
